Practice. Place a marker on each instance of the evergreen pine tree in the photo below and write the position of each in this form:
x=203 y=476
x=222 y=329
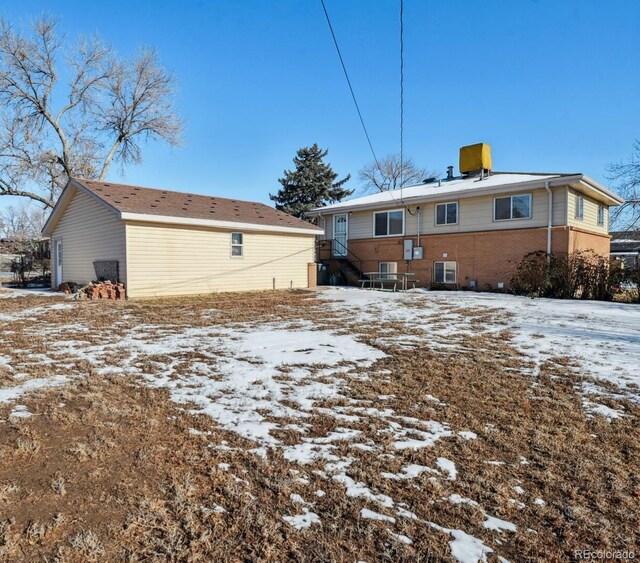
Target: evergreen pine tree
x=311 y=184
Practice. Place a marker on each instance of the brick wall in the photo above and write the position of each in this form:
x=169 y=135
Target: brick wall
x=583 y=240
x=488 y=257
x=312 y=274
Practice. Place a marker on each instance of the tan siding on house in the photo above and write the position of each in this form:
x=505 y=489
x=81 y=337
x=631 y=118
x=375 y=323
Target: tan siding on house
x=172 y=260
x=89 y=231
x=475 y=214
x=590 y=220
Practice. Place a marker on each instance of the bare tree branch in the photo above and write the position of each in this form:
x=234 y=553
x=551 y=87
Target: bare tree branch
x=626 y=175
x=391 y=174
x=140 y=106
x=107 y=110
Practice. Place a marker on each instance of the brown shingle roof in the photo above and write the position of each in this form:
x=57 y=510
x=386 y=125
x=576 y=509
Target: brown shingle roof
x=150 y=201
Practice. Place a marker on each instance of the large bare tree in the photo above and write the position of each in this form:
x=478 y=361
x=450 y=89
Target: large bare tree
x=626 y=175
x=74 y=109
x=390 y=173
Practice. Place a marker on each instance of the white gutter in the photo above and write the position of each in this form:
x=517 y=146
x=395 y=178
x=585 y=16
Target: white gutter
x=549 y=219
x=214 y=223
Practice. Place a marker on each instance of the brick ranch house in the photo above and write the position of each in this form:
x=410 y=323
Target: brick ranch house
x=161 y=242
x=468 y=231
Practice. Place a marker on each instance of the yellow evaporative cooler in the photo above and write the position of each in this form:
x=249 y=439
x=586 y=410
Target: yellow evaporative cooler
x=475 y=159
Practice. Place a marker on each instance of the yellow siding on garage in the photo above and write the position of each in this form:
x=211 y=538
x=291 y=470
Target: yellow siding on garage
x=168 y=260
x=89 y=231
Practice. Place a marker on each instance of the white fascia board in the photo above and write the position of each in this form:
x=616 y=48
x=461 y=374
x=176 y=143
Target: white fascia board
x=64 y=198
x=51 y=221
x=448 y=196
x=611 y=197
x=233 y=225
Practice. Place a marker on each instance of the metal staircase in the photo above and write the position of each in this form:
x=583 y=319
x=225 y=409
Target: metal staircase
x=344 y=262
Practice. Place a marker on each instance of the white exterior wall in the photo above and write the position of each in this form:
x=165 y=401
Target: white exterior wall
x=88 y=231
x=168 y=260
x=474 y=214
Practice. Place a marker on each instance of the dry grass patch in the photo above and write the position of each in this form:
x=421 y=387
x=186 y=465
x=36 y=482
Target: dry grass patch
x=107 y=468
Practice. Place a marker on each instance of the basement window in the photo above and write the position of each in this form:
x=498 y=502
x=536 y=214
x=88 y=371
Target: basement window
x=444 y=272
x=512 y=207
x=600 y=214
x=388 y=223
x=386 y=268
x=447 y=213
x=237 y=245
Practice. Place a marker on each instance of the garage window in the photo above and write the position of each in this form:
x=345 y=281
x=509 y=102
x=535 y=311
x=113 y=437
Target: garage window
x=237 y=245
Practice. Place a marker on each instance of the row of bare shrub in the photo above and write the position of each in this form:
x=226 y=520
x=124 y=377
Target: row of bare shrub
x=580 y=275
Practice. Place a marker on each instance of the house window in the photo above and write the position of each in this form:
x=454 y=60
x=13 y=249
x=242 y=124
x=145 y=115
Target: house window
x=388 y=223
x=600 y=214
x=512 y=207
x=237 y=244
x=387 y=268
x=579 y=207
x=447 y=213
x=444 y=272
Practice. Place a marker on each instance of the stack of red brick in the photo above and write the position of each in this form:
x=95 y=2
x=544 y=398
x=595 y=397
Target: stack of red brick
x=104 y=290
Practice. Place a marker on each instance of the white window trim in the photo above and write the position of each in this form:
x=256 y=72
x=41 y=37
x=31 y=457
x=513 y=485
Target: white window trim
x=240 y=245
x=394 y=270
x=578 y=215
x=511 y=196
x=388 y=211
x=601 y=208
x=435 y=214
x=445 y=262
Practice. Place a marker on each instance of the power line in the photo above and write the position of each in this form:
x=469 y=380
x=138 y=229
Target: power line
x=401 y=95
x=346 y=74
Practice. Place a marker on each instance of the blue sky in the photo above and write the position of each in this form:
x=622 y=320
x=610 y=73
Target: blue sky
x=552 y=85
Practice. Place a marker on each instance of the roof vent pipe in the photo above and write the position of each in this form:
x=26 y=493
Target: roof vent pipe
x=449 y=172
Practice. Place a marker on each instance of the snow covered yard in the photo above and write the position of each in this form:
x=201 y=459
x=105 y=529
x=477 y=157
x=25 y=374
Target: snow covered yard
x=344 y=425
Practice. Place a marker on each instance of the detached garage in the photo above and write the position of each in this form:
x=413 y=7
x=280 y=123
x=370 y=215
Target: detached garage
x=162 y=243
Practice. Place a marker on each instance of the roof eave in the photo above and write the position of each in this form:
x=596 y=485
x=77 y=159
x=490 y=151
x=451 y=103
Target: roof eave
x=214 y=223
x=611 y=197
x=459 y=194
x=64 y=199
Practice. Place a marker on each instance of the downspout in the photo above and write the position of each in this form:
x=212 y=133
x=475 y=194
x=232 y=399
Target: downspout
x=549 y=219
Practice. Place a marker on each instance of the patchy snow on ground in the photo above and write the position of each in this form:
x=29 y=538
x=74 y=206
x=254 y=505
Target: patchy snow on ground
x=12 y=393
x=10 y=292
x=258 y=379
x=304 y=520
x=602 y=338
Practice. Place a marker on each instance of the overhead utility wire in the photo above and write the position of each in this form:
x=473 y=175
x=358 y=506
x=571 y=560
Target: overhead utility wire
x=346 y=75
x=401 y=96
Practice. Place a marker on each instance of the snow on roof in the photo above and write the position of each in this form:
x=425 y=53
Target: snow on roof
x=436 y=189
